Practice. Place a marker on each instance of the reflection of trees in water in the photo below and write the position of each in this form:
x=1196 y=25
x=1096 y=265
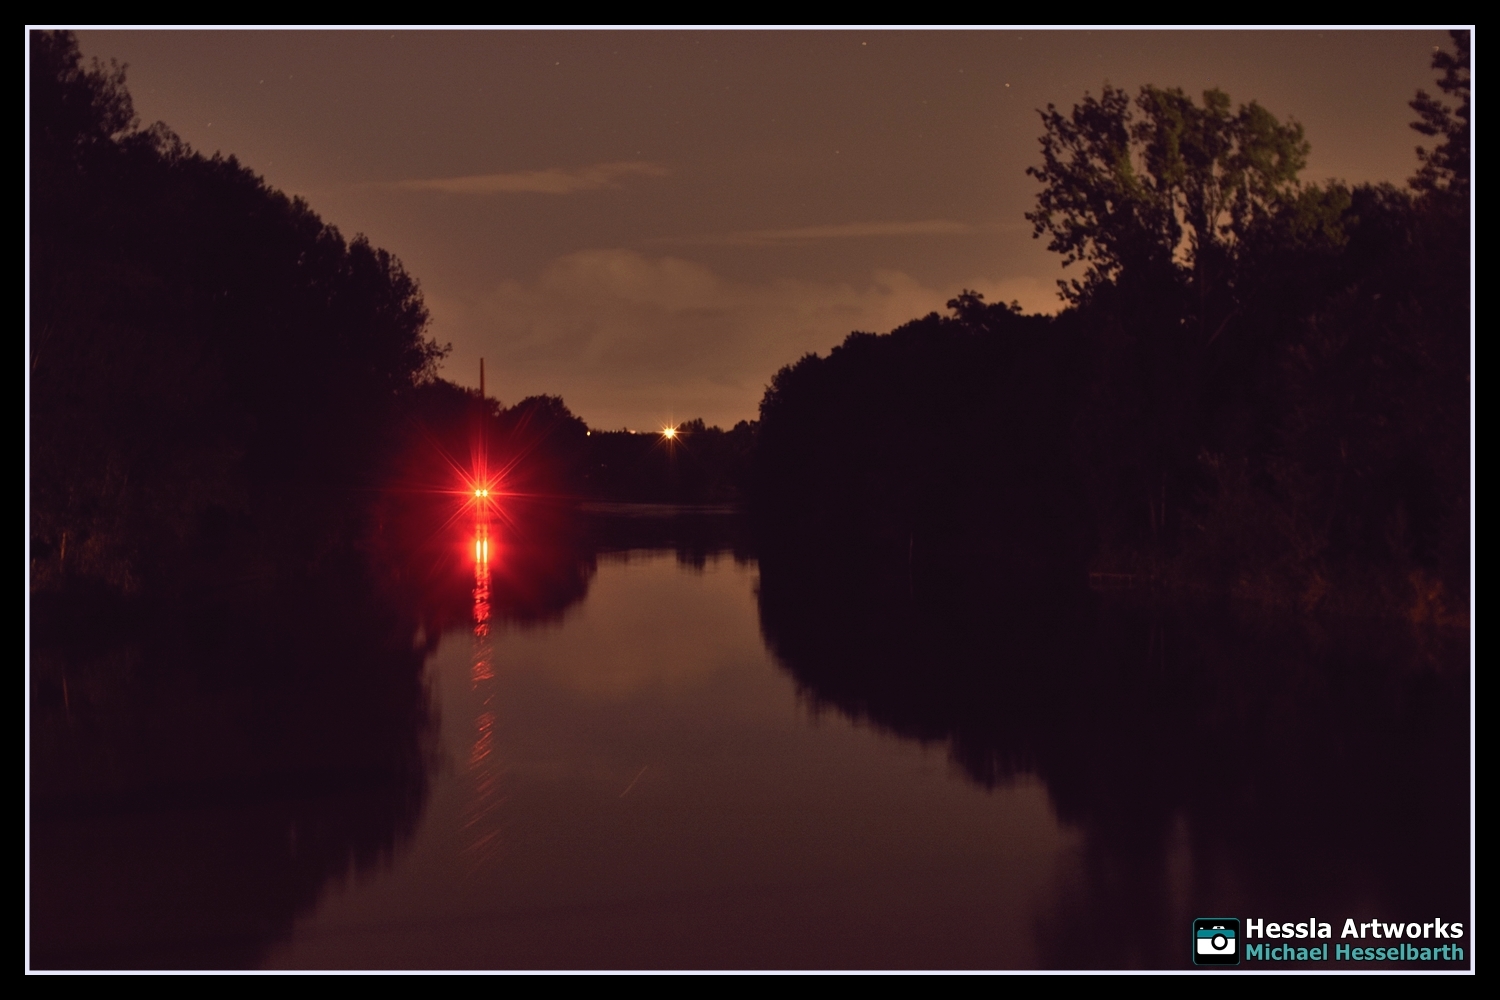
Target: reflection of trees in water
x=198 y=783
x=543 y=551
x=693 y=533
x=195 y=785
x=1215 y=762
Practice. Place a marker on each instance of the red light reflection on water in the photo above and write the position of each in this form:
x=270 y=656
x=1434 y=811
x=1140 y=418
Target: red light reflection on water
x=482 y=669
x=481 y=824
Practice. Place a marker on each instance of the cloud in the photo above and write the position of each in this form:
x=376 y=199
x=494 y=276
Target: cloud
x=1036 y=295
x=553 y=180
x=844 y=231
x=629 y=339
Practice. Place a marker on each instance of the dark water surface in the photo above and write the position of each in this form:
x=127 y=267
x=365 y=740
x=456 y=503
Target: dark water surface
x=639 y=746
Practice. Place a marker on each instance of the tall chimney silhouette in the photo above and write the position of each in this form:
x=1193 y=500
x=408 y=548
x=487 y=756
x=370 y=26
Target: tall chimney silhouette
x=481 y=378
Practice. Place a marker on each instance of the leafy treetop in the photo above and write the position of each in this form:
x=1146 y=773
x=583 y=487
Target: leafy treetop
x=1159 y=185
x=1445 y=168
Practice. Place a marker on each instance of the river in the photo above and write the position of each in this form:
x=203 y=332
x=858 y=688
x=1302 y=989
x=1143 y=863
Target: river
x=691 y=760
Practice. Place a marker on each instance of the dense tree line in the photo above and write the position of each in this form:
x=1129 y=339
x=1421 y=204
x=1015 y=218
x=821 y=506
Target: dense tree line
x=215 y=371
x=939 y=450
x=697 y=464
x=538 y=449
x=1258 y=386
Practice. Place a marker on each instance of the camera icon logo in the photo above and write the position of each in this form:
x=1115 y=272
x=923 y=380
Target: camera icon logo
x=1216 y=941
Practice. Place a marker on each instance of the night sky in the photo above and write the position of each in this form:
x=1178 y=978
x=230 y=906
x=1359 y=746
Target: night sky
x=651 y=223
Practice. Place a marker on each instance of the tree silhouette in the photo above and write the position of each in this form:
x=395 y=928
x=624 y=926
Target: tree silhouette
x=214 y=370
x=1258 y=387
x=1160 y=190
x=1445 y=168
